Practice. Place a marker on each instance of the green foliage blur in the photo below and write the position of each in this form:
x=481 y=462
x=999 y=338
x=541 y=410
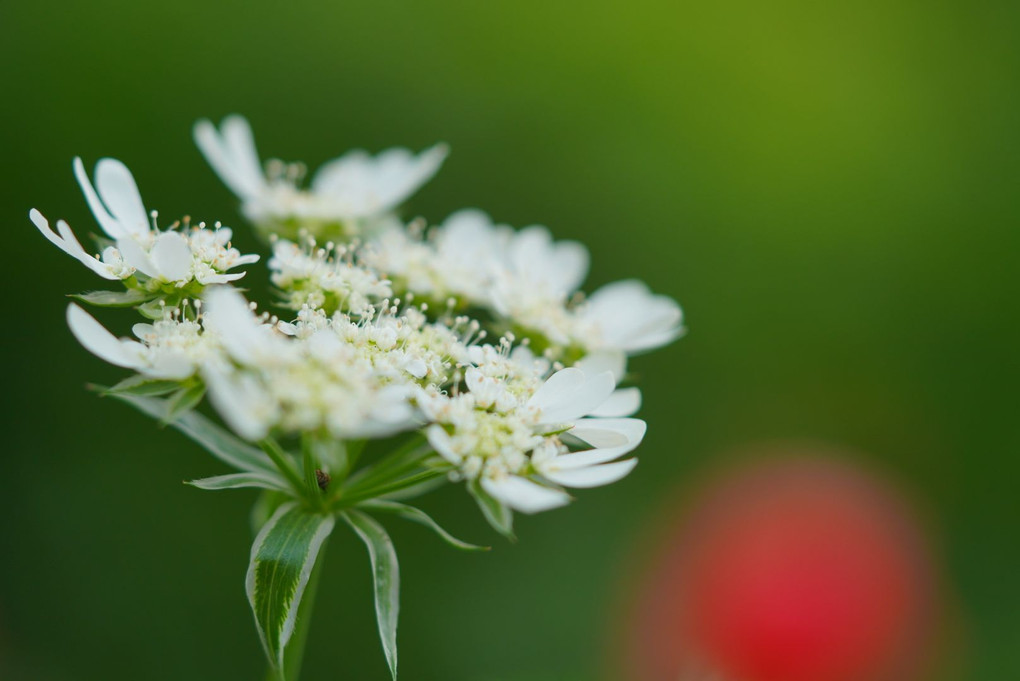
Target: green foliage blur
x=829 y=189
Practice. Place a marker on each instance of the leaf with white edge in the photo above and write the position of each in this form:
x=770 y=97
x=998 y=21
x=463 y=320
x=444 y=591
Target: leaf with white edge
x=386 y=577
x=419 y=516
x=183 y=401
x=128 y=298
x=144 y=386
x=240 y=480
x=215 y=439
x=496 y=513
x=265 y=506
x=282 y=559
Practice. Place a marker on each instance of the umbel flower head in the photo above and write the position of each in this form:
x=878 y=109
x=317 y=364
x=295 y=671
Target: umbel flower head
x=346 y=196
x=156 y=266
x=394 y=357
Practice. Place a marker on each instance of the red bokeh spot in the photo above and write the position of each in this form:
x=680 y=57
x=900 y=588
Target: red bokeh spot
x=792 y=570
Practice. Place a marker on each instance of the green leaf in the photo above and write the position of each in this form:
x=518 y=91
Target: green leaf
x=282 y=559
x=391 y=487
x=128 y=298
x=264 y=508
x=239 y=480
x=183 y=401
x=143 y=385
x=386 y=576
x=416 y=490
x=419 y=516
x=215 y=439
x=499 y=515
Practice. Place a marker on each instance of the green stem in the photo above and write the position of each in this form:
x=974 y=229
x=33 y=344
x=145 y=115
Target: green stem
x=295 y=651
x=308 y=465
x=282 y=461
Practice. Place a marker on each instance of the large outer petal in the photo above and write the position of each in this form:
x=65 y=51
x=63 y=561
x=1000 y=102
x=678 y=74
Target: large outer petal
x=569 y=394
x=524 y=495
x=171 y=255
x=100 y=342
x=609 y=438
x=232 y=155
x=119 y=192
x=67 y=242
x=592 y=476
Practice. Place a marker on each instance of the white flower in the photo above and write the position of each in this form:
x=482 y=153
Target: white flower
x=171 y=257
x=356 y=380
x=623 y=401
x=530 y=281
x=356 y=186
x=325 y=277
x=510 y=431
x=172 y=348
x=609 y=439
x=626 y=316
x=110 y=265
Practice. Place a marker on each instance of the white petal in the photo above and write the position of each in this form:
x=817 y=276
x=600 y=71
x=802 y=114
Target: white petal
x=557 y=387
x=67 y=242
x=228 y=315
x=613 y=361
x=363 y=186
x=119 y=192
x=135 y=256
x=610 y=438
x=171 y=255
x=170 y=365
x=524 y=495
x=623 y=402
x=101 y=342
x=592 y=476
x=110 y=225
x=233 y=155
x=569 y=394
x=214 y=278
x=632 y=318
x=237 y=402
x=442 y=443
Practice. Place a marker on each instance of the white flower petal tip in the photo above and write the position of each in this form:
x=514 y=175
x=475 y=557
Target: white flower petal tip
x=65 y=240
x=592 y=476
x=232 y=154
x=623 y=402
x=359 y=185
x=171 y=255
x=632 y=318
x=570 y=394
x=241 y=402
x=117 y=206
x=524 y=495
x=100 y=342
x=609 y=438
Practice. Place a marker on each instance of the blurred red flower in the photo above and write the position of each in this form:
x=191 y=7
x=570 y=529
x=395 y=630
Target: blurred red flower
x=791 y=569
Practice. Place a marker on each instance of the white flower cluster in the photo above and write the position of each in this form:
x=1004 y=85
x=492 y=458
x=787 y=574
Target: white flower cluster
x=527 y=281
x=347 y=195
x=177 y=261
x=470 y=333
x=327 y=278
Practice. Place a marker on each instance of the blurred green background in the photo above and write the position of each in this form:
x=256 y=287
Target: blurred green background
x=828 y=188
